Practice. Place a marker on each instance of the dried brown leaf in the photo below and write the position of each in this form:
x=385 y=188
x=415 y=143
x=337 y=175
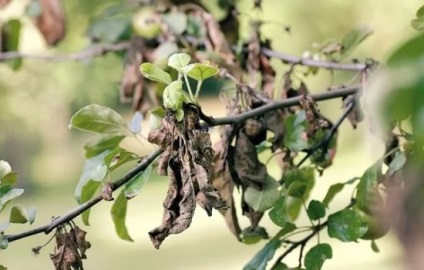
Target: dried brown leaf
x=51 y=22
x=356 y=115
x=66 y=255
x=274 y=122
x=82 y=244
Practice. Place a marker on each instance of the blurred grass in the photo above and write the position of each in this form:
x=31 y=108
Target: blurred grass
x=37 y=102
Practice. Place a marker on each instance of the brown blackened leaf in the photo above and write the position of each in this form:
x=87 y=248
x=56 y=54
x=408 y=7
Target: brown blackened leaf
x=66 y=253
x=82 y=244
x=51 y=22
x=356 y=115
x=313 y=116
x=274 y=121
x=163 y=136
x=250 y=170
x=179 y=204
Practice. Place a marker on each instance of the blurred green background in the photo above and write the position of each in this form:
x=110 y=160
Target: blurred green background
x=37 y=102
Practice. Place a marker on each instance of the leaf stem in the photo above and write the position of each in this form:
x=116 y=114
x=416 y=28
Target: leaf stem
x=196 y=97
x=189 y=88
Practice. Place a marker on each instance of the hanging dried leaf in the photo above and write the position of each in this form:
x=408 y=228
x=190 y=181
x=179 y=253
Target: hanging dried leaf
x=274 y=122
x=313 y=116
x=250 y=170
x=82 y=244
x=356 y=115
x=51 y=22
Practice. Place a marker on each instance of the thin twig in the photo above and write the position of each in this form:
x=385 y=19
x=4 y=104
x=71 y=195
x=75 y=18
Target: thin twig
x=80 y=209
x=287 y=58
x=283 y=104
x=91 y=52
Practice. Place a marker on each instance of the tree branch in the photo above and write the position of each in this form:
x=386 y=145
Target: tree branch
x=80 y=209
x=91 y=52
x=282 y=104
x=150 y=158
x=287 y=58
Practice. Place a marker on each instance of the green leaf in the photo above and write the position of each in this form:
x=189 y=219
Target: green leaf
x=173 y=97
x=281 y=266
x=397 y=163
x=261 y=259
x=418 y=23
x=119 y=212
x=4 y=243
x=102 y=144
x=261 y=200
x=410 y=51
x=11 y=32
x=87 y=193
x=335 y=189
x=99 y=119
x=200 y=72
x=118 y=157
x=346 y=225
x=316 y=256
x=94 y=169
x=316 y=210
x=278 y=213
x=179 y=60
x=287 y=228
x=295 y=128
x=179 y=114
x=367 y=191
x=176 y=21
x=250 y=236
x=134 y=186
x=10 y=179
x=8 y=194
x=18 y=214
x=374 y=246
x=297 y=189
x=355 y=37
x=5 y=169
x=110 y=29
x=155 y=73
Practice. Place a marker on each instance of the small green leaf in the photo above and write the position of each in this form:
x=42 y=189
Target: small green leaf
x=118 y=157
x=281 y=266
x=102 y=144
x=200 y=72
x=367 y=191
x=287 y=228
x=179 y=60
x=316 y=256
x=173 y=97
x=352 y=39
x=10 y=179
x=250 y=236
x=397 y=163
x=110 y=29
x=261 y=259
x=8 y=194
x=5 y=169
x=374 y=246
x=18 y=214
x=119 y=212
x=316 y=210
x=177 y=21
x=94 y=169
x=11 y=32
x=261 y=200
x=179 y=115
x=278 y=213
x=295 y=128
x=4 y=243
x=134 y=186
x=418 y=23
x=346 y=225
x=99 y=119
x=87 y=193
x=155 y=73
x=332 y=192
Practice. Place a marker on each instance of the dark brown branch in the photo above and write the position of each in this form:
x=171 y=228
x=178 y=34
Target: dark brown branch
x=287 y=58
x=91 y=52
x=80 y=209
x=347 y=91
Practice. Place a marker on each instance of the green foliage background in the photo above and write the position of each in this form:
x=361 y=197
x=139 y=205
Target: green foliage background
x=37 y=102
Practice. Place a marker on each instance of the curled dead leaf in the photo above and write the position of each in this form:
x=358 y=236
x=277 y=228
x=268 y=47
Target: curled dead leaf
x=51 y=22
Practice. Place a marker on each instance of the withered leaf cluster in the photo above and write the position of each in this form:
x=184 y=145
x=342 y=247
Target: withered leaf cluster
x=70 y=249
x=187 y=162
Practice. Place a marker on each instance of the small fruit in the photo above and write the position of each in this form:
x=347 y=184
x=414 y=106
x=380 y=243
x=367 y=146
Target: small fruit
x=146 y=23
x=376 y=228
